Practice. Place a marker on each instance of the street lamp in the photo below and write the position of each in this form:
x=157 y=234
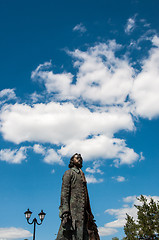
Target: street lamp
x=41 y=216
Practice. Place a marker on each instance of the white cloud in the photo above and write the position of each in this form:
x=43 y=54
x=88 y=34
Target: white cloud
x=53 y=82
x=92 y=179
x=120 y=214
x=129 y=199
x=14 y=233
x=108 y=80
x=39 y=149
x=61 y=124
x=102 y=147
x=9 y=93
x=145 y=91
x=95 y=168
x=72 y=121
x=101 y=77
x=15 y=156
x=130 y=25
x=52 y=157
x=80 y=27
x=6 y=95
x=106 y=231
x=119 y=178
x=155 y=41
x=35 y=97
x=141 y=157
x=45 y=65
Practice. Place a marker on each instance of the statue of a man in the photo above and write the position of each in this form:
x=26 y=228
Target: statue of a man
x=77 y=220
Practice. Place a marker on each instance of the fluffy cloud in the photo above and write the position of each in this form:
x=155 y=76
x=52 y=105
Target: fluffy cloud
x=14 y=233
x=95 y=168
x=52 y=157
x=37 y=148
x=120 y=214
x=101 y=77
x=102 y=147
x=72 y=121
x=108 y=80
x=35 y=97
x=106 y=231
x=61 y=124
x=92 y=179
x=56 y=123
x=145 y=91
x=15 y=156
x=56 y=83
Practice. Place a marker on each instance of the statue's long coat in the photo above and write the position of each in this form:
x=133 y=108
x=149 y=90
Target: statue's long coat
x=75 y=200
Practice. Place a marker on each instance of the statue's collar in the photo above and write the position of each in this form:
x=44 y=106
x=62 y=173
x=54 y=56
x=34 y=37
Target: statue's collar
x=75 y=169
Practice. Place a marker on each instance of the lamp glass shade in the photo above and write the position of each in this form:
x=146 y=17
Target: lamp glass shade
x=28 y=214
x=42 y=215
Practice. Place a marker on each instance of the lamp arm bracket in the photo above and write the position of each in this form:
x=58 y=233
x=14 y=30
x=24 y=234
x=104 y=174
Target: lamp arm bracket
x=34 y=220
x=39 y=223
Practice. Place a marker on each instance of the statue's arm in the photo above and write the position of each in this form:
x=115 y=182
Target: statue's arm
x=65 y=194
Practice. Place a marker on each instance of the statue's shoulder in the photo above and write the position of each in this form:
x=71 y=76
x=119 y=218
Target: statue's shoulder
x=67 y=173
x=70 y=172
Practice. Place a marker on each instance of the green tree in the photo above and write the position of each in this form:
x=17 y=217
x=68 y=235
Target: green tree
x=130 y=228
x=115 y=238
x=147 y=224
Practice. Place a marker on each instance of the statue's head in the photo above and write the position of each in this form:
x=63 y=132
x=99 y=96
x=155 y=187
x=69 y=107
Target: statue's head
x=76 y=160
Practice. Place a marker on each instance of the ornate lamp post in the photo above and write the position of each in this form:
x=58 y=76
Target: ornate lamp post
x=41 y=216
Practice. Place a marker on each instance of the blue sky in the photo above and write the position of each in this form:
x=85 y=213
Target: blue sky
x=77 y=76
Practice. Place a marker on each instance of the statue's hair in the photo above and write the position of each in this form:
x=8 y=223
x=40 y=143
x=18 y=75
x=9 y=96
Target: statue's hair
x=71 y=164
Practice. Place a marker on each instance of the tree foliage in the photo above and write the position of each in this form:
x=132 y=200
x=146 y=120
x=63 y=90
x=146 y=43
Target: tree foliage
x=147 y=224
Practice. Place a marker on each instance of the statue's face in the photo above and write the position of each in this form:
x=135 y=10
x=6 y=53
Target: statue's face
x=77 y=160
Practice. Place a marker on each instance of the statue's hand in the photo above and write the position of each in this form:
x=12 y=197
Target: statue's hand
x=66 y=221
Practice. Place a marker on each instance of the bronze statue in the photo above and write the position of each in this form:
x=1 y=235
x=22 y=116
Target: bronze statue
x=77 y=220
